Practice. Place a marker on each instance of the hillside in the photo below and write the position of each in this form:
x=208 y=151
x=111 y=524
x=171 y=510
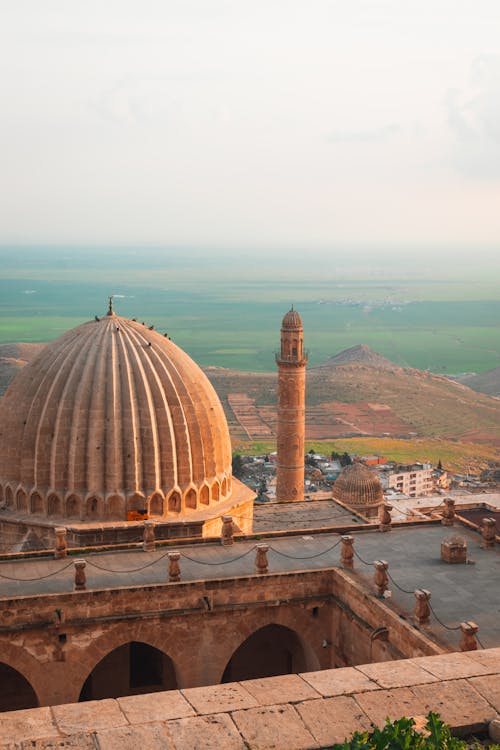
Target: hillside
x=486 y=382
x=372 y=396
x=13 y=357
x=356 y=393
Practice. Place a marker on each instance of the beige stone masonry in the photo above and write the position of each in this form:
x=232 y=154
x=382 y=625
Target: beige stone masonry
x=305 y=711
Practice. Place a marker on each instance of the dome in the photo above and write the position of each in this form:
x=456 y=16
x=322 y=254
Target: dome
x=291 y=320
x=358 y=487
x=110 y=417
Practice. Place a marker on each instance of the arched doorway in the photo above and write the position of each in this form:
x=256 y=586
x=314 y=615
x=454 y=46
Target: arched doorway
x=15 y=690
x=132 y=669
x=270 y=651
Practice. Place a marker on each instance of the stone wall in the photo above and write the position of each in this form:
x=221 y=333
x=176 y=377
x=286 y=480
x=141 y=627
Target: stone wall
x=55 y=641
x=310 y=710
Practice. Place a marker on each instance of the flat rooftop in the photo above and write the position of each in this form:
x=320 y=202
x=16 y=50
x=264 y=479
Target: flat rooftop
x=317 y=514
x=459 y=592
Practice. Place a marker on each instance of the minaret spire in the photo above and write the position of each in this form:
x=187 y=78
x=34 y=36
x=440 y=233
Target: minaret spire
x=291 y=362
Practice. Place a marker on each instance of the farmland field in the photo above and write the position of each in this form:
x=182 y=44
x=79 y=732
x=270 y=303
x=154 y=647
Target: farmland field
x=226 y=311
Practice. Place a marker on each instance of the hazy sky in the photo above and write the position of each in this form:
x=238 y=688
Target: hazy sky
x=266 y=123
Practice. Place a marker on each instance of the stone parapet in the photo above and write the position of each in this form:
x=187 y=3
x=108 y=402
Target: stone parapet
x=313 y=709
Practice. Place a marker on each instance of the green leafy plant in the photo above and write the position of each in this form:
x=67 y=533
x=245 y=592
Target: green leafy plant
x=402 y=735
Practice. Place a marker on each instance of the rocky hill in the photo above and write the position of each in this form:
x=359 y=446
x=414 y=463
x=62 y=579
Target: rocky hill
x=360 y=354
x=486 y=382
x=13 y=357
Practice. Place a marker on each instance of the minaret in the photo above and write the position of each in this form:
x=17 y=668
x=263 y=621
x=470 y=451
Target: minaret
x=291 y=363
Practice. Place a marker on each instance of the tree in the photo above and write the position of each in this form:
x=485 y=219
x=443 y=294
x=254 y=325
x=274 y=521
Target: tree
x=440 y=465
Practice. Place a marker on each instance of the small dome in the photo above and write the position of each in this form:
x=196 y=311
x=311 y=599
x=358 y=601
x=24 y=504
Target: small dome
x=359 y=487
x=292 y=320
x=113 y=416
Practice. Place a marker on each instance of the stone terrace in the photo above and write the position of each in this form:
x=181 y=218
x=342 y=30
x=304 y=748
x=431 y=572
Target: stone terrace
x=459 y=592
x=292 y=712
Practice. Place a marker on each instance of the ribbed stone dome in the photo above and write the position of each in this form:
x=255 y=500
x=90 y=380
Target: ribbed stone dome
x=112 y=416
x=292 y=320
x=358 y=487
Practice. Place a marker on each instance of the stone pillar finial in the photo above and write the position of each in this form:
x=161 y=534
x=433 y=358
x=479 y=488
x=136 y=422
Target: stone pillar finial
x=174 y=569
x=61 y=549
x=226 y=535
x=380 y=577
x=347 y=552
x=384 y=518
x=261 y=562
x=422 y=608
x=468 y=640
x=80 y=576
x=149 y=542
x=449 y=512
x=488 y=532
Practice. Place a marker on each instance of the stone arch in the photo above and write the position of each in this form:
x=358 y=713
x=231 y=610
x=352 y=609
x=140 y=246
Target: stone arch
x=21 y=500
x=137 y=501
x=16 y=692
x=156 y=505
x=215 y=491
x=174 y=502
x=120 y=635
x=9 y=497
x=190 y=500
x=115 y=508
x=93 y=508
x=73 y=507
x=223 y=487
x=271 y=650
x=204 y=495
x=15 y=664
x=36 y=503
x=1 y=494
x=54 y=505
x=134 y=668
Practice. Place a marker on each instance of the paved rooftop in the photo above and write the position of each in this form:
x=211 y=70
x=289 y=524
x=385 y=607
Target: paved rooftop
x=459 y=592
x=317 y=514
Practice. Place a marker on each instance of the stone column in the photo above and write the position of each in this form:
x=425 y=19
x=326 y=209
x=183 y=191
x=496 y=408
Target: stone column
x=448 y=512
x=347 y=552
x=226 y=535
x=468 y=640
x=488 y=532
x=380 y=577
x=384 y=519
x=261 y=562
x=422 y=609
x=174 y=570
x=149 y=542
x=80 y=576
x=61 y=543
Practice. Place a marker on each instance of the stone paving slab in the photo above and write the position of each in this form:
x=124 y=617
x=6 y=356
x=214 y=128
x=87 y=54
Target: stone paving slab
x=489 y=658
x=346 y=680
x=155 y=736
x=391 y=674
x=27 y=724
x=288 y=688
x=450 y=666
x=219 y=698
x=88 y=716
x=459 y=704
x=215 y=732
x=273 y=727
x=333 y=719
x=393 y=704
x=162 y=706
x=489 y=687
x=74 y=742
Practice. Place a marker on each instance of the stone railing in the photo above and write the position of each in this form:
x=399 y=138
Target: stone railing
x=303 y=711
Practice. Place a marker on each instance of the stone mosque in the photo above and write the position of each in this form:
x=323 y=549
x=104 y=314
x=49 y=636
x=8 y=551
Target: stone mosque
x=110 y=419
x=112 y=428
